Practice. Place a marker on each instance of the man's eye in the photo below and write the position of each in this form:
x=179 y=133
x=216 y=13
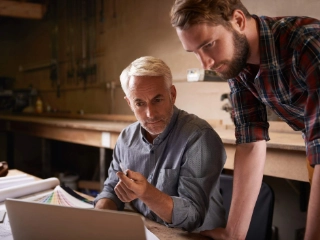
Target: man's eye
x=158 y=100
x=139 y=104
x=209 y=45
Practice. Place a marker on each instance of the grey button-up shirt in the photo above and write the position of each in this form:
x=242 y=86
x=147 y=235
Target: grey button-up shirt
x=184 y=161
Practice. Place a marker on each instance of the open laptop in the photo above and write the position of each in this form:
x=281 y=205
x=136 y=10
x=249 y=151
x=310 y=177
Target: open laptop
x=33 y=220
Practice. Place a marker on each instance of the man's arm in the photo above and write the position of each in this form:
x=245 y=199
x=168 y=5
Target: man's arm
x=134 y=185
x=248 y=172
x=313 y=217
x=106 y=203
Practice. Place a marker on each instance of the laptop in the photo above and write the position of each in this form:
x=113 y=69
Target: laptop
x=38 y=221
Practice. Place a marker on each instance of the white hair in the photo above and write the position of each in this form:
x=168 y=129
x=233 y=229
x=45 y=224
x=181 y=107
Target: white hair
x=145 y=66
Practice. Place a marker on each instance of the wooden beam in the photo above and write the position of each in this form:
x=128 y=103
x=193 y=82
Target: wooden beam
x=22 y=9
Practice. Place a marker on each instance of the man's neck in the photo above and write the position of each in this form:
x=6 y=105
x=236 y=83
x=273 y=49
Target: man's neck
x=150 y=137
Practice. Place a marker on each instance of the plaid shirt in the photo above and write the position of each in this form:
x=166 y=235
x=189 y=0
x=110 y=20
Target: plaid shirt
x=287 y=80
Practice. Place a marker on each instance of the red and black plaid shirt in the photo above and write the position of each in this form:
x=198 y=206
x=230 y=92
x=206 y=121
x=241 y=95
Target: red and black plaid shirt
x=287 y=80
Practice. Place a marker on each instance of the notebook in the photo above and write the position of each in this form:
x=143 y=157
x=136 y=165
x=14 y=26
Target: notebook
x=34 y=220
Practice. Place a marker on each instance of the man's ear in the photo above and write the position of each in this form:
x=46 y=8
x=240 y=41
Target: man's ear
x=128 y=100
x=238 y=20
x=173 y=92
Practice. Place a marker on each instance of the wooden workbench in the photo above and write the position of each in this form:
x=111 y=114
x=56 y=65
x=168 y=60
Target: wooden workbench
x=285 y=151
x=286 y=155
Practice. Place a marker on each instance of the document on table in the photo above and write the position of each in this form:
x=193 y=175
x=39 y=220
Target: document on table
x=60 y=196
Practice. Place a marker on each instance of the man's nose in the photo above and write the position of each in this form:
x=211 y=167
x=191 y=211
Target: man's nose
x=206 y=61
x=150 y=111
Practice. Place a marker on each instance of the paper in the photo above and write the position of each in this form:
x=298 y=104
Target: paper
x=28 y=188
x=150 y=235
x=60 y=197
x=15 y=181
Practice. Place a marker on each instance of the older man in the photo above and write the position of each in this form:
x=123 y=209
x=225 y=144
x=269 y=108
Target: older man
x=168 y=163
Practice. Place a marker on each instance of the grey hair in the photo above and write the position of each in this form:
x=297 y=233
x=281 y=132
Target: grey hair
x=146 y=66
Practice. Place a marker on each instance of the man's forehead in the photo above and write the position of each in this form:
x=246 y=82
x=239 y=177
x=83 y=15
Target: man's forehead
x=133 y=80
x=139 y=98
x=197 y=35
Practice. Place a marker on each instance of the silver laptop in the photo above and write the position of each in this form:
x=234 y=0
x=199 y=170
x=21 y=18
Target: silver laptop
x=33 y=221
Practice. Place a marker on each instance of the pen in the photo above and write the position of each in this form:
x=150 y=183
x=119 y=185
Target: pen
x=122 y=169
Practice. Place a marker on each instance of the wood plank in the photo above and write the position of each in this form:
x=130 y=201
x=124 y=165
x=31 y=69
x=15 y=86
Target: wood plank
x=86 y=137
x=103 y=126
x=22 y=9
x=76 y=116
x=80 y=136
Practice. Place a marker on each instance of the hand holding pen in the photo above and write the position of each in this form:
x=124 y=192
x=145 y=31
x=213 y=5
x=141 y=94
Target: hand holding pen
x=123 y=169
x=132 y=185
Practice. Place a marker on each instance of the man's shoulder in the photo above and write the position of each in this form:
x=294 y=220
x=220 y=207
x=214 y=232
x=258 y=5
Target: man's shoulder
x=190 y=120
x=290 y=23
x=131 y=130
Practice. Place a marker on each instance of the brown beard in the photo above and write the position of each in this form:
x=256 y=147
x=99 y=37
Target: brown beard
x=239 y=59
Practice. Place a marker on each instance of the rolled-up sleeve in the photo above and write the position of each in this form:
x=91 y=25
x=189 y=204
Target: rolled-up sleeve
x=250 y=114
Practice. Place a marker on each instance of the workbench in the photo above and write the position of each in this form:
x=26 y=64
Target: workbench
x=286 y=157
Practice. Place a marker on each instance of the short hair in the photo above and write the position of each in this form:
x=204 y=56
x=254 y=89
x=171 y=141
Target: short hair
x=186 y=13
x=146 y=66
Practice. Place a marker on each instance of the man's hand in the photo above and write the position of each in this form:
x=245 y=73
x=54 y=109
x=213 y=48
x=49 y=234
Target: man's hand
x=132 y=185
x=105 y=203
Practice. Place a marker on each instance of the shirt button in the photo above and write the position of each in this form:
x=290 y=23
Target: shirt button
x=152 y=152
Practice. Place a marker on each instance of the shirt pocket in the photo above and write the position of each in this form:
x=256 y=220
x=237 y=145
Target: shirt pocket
x=167 y=181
